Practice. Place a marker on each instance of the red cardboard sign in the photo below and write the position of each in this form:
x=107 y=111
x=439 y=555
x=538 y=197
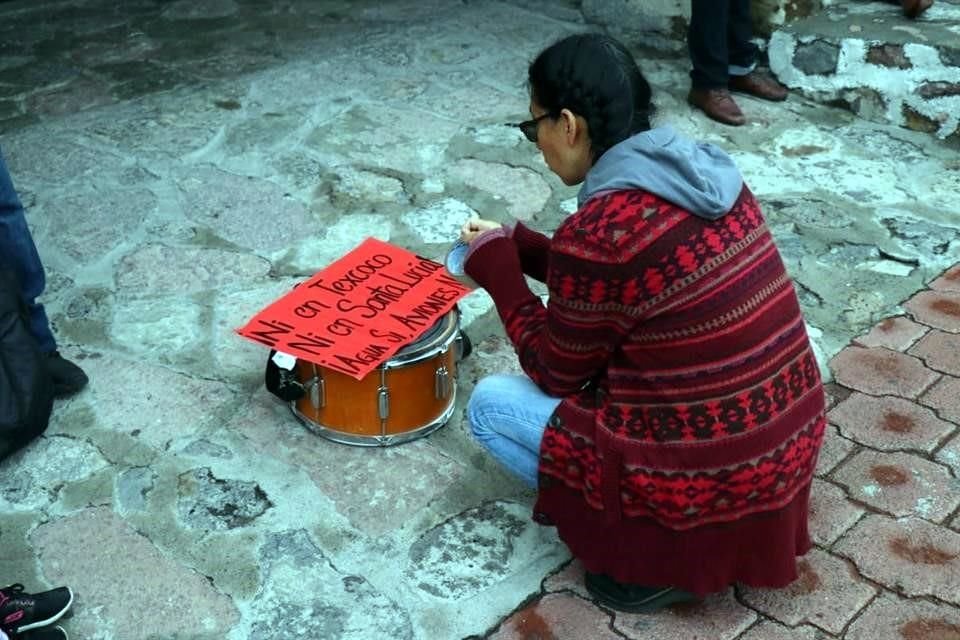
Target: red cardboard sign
x=359 y=311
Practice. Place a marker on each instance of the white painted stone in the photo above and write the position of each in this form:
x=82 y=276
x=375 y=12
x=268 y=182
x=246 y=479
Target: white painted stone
x=523 y=190
x=432 y=185
x=853 y=71
x=569 y=205
x=365 y=186
x=498 y=135
x=169 y=328
x=888 y=267
x=765 y=176
x=816 y=343
x=440 y=221
x=448 y=565
x=342 y=237
x=473 y=305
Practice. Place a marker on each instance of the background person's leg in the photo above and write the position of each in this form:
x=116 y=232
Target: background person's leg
x=508 y=414
x=18 y=252
x=741 y=50
x=707 y=40
x=744 y=77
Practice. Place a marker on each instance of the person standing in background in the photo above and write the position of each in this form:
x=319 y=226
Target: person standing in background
x=724 y=59
x=913 y=8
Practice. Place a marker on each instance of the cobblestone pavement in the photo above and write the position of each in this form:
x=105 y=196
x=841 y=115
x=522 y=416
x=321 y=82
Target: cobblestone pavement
x=184 y=163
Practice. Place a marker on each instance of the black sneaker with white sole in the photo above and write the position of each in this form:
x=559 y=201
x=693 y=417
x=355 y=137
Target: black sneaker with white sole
x=44 y=633
x=21 y=611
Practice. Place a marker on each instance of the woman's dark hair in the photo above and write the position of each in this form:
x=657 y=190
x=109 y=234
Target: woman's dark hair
x=595 y=77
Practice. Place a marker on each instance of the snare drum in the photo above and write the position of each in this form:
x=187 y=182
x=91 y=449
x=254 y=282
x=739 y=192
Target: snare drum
x=409 y=396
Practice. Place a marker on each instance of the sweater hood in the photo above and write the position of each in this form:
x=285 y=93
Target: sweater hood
x=697 y=176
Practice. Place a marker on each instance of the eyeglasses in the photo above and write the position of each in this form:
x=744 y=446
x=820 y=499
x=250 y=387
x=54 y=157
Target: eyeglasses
x=529 y=128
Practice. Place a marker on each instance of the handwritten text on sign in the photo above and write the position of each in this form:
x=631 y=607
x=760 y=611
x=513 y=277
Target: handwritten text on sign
x=360 y=310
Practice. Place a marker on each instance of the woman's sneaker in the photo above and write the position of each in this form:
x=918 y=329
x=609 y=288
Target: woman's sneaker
x=21 y=611
x=633 y=598
x=45 y=633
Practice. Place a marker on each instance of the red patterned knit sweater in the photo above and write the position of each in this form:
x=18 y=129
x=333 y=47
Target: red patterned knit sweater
x=691 y=393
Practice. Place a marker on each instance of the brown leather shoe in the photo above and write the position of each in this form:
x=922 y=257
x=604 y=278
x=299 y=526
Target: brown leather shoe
x=760 y=85
x=718 y=104
x=913 y=8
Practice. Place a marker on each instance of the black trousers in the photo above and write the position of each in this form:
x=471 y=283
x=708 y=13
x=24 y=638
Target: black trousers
x=719 y=36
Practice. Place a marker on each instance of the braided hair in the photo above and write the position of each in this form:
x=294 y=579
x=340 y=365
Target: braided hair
x=595 y=77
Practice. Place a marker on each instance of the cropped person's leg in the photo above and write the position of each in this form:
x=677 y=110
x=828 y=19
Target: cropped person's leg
x=744 y=77
x=914 y=8
x=709 y=55
x=741 y=50
x=508 y=415
x=18 y=252
x=707 y=40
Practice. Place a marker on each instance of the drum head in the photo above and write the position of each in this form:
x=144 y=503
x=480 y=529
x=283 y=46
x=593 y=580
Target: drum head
x=438 y=336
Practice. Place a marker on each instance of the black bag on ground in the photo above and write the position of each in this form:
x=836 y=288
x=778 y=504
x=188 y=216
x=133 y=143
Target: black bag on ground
x=282 y=382
x=26 y=389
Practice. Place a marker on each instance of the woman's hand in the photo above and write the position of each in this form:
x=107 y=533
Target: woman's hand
x=474 y=227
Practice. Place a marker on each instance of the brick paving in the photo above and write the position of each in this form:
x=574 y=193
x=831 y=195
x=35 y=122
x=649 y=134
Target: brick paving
x=885 y=510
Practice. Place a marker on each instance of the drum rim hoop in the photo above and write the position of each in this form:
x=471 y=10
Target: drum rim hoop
x=429 y=348
x=343 y=437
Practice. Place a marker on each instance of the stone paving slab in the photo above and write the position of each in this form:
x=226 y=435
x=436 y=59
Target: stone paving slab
x=831 y=512
x=940 y=351
x=900 y=484
x=910 y=555
x=557 y=616
x=889 y=423
x=768 y=630
x=879 y=371
x=78 y=549
x=944 y=397
x=949 y=281
x=826 y=594
x=893 y=618
x=938 y=309
x=896 y=334
x=835 y=449
x=184 y=163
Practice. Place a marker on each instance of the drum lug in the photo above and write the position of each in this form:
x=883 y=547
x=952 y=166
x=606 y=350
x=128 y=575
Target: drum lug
x=318 y=393
x=441 y=383
x=383 y=402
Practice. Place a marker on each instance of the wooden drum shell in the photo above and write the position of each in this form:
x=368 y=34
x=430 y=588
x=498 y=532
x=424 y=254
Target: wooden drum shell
x=420 y=392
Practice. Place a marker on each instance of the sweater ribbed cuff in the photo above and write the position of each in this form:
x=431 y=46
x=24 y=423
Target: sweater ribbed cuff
x=530 y=241
x=495 y=266
x=482 y=239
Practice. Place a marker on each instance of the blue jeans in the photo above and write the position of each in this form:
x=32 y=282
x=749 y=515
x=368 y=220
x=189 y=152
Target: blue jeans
x=508 y=415
x=19 y=254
